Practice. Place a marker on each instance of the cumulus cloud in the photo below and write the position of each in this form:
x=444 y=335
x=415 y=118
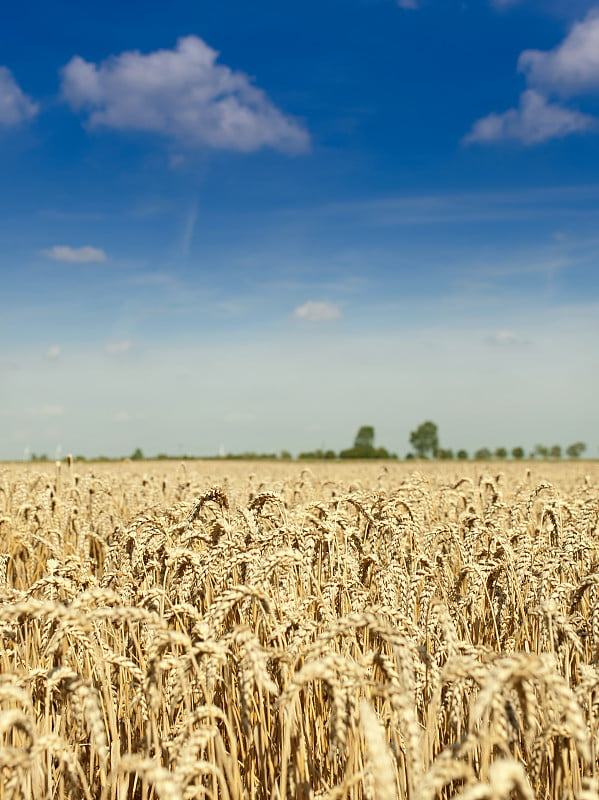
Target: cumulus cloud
x=536 y=120
x=53 y=352
x=79 y=255
x=182 y=94
x=317 y=311
x=118 y=346
x=15 y=106
x=570 y=68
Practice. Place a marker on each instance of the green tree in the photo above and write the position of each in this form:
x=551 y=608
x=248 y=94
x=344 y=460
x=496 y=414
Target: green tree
x=382 y=452
x=541 y=451
x=310 y=454
x=576 y=450
x=483 y=454
x=363 y=445
x=364 y=437
x=555 y=451
x=501 y=452
x=444 y=454
x=462 y=455
x=425 y=439
x=137 y=454
x=517 y=452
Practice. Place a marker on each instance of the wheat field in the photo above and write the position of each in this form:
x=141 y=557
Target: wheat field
x=343 y=630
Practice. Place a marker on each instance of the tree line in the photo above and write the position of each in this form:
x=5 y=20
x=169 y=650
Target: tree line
x=425 y=444
x=424 y=441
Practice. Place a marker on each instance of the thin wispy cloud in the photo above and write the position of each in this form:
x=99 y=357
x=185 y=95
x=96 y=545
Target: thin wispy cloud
x=317 y=311
x=15 y=106
x=410 y=5
x=76 y=255
x=148 y=279
x=181 y=94
x=464 y=208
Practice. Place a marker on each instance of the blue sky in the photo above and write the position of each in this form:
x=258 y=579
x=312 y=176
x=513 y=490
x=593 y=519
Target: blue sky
x=243 y=227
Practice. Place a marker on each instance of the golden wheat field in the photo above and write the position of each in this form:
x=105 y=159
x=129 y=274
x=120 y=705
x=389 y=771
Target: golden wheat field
x=348 y=630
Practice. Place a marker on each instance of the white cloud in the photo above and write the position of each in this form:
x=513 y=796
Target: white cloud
x=118 y=346
x=79 y=255
x=53 y=352
x=122 y=416
x=317 y=311
x=15 y=106
x=570 y=68
x=182 y=94
x=536 y=120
